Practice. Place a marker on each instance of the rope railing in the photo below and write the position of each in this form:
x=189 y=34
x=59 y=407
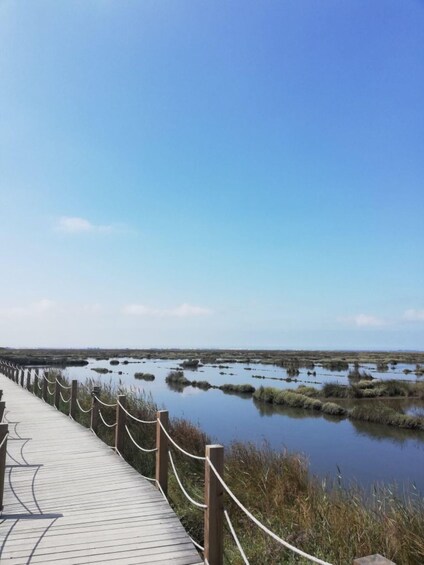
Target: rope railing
x=194 y=542
x=235 y=538
x=63 y=399
x=62 y=385
x=198 y=457
x=105 y=403
x=104 y=421
x=133 y=417
x=259 y=524
x=49 y=381
x=83 y=409
x=49 y=391
x=194 y=502
x=137 y=445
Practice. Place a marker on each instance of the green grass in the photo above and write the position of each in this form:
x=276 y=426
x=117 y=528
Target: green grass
x=190 y=364
x=333 y=409
x=336 y=365
x=382 y=414
x=244 y=389
x=333 y=390
x=204 y=385
x=307 y=398
x=177 y=377
x=100 y=370
x=144 y=376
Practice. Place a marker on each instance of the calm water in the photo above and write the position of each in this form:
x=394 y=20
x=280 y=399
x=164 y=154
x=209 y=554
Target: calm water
x=362 y=452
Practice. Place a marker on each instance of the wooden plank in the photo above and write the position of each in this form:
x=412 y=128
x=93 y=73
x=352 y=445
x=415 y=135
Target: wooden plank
x=105 y=511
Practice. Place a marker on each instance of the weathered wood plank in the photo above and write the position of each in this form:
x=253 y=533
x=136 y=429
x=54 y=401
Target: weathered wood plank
x=69 y=499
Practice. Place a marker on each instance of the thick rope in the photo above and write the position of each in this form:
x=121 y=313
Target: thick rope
x=62 y=385
x=196 y=544
x=178 y=447
x=136 y=444
x=233 y=533
x=64 y=400
x=50 y=382
x=134 y=418
x=49 y=391
x=39 y=385
x=198 y=504
x=104 y=421
x=104 y=403
x=259 y=524
x=82 y=409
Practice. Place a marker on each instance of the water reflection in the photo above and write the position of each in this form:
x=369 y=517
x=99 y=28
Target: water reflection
x=381 y=432
x=365 y=452
x=267 y=409
x=176 y=386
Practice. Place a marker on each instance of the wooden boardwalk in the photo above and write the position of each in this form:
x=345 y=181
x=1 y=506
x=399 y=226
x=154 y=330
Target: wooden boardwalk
x=69 y=499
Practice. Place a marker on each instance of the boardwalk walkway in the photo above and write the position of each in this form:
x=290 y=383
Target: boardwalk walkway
x=69 y=499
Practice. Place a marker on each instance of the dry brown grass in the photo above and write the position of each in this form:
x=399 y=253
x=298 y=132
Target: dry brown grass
x=321 y=518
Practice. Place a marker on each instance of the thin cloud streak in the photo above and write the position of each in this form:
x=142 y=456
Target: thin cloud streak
x=76 y=225
x=183 y=311
x=38 y=308
x=365 y=321
x=413 y=315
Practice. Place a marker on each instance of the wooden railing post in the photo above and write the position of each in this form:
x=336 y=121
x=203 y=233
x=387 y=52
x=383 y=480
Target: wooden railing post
x=36 y=380
x=28 y=379
x=15 y=374
x=45 y=385
x=35 y=384
x=121 y=419
x=22 y=377
x=3 y=442
x=56 y=393
x=73 y=402
x=2 y=406
x=162 y=450
x=214 y=501
x=95 y=409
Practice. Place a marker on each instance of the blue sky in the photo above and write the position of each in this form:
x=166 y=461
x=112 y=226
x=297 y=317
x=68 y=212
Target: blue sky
x=214 y=174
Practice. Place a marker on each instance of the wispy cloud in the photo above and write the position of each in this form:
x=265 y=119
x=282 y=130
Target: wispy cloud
x=44 y=308
x=183 y=311
x=413 y=315
x=365 y=321
x=34 y=309
x=75 y=225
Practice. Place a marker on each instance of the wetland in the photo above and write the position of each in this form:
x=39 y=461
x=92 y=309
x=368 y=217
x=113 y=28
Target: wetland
x=220 y=391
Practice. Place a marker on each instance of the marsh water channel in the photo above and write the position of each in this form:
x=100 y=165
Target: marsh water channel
x=358 y=452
